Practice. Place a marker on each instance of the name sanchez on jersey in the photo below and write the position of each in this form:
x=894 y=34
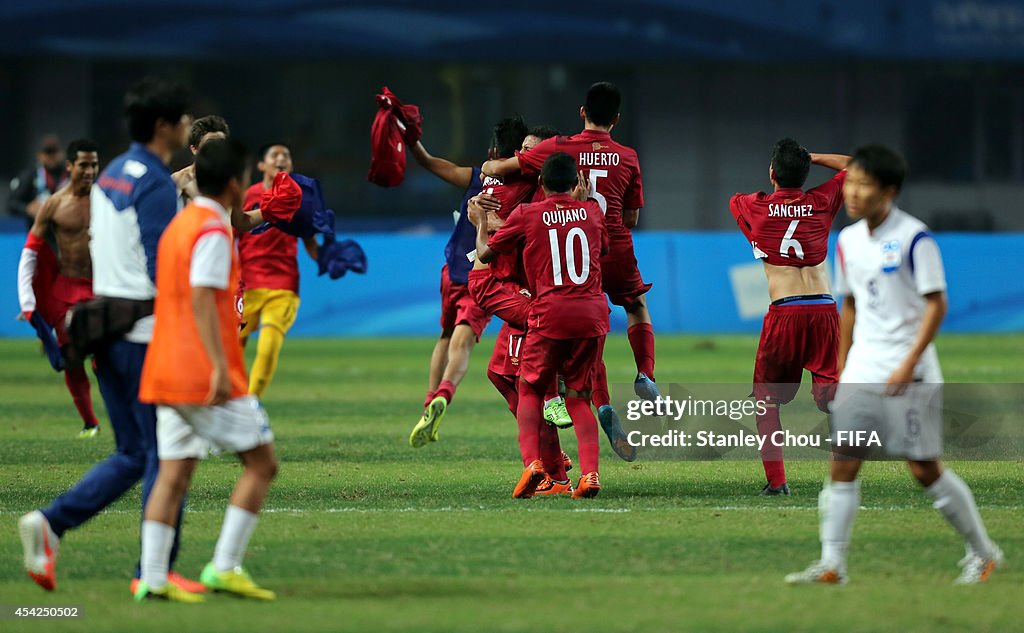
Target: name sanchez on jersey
x=599 y=159
x=564 y=216
x=790 y=210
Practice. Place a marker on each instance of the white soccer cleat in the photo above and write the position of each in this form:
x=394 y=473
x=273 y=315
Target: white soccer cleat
x=817 y=573
x=40 y=545
x=977 y=569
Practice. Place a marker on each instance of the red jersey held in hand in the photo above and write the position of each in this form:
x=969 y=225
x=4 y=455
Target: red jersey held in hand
x=790 y=226
x=562 y=240
x=268 y=260
x=613 y=170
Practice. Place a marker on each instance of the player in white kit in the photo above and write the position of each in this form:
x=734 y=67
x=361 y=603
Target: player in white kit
x=890 y=388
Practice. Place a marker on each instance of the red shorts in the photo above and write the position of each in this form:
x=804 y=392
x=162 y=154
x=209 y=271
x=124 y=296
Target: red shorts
x=66 y=292
x=458 y=307
x=503 y=299
x=794 y=338
x=507 y=349
x=620 y=275
x=574 y=358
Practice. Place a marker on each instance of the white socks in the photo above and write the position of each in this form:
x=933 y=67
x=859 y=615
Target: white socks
x=234 y=538
x=157 y=540
x=954 y=500
x=837 y=506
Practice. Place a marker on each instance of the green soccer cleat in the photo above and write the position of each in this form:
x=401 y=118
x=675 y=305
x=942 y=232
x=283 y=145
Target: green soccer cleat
x=236 y=581
x=425 y=430
x=169 y=592
x=89 y=432
x=557 y=414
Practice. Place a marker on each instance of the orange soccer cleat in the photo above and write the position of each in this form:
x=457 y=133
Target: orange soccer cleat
x=589 y=486
x=567 y=461
x=551 y=487
x=40 y=544
x=532 y=476
x=174 y=578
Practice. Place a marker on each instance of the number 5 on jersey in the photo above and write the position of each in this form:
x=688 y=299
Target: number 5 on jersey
x=576 y=276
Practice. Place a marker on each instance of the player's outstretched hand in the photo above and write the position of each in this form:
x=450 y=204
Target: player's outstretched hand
x=899 y=380
x=582 y=190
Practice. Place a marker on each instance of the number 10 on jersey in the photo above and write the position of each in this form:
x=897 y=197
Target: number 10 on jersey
x=576 y=275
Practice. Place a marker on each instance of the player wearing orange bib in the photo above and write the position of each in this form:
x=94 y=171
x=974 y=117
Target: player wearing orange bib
x=195 y=374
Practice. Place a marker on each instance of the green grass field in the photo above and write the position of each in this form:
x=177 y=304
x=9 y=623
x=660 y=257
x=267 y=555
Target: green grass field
x=363 y=533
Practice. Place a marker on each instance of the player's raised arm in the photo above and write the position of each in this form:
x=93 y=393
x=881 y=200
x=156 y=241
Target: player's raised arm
x=837 y=162
x=443 y=168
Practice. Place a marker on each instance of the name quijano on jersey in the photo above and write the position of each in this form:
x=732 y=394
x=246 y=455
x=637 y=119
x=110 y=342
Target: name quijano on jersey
x=563 y=216
x=790 y=210
x=599 y=159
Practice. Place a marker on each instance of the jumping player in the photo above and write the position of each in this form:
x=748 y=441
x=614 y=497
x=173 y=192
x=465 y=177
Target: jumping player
x=208 y=406
x=788 y=230
x=64 y=218
x=462 y=320
x=270 y=275
x=562 y=240
x=613 y=171
x=890 y=271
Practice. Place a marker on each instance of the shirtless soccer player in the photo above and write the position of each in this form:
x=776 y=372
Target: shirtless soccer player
x=562 y=240
x=203 y=129
x=615 y=182
x=64 y=218
x=890 y=272
x=788 y=230
x=462 y=320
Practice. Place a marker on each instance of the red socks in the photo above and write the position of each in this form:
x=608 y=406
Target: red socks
x=551 y=453
x=641 y=339
x=530 y=417
x=599 y=386
x=445 y=389
x=506 y=386
x=78 y=385
x=585 y=425
x=771 y=455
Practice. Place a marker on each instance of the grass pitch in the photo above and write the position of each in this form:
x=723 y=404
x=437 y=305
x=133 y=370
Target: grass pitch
x=363 y=533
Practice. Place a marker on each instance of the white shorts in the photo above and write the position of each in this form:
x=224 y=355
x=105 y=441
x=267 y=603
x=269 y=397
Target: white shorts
x=190 y=431
x=909 y=425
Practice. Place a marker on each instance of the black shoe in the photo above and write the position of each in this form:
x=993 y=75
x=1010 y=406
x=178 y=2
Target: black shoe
x=781 y=491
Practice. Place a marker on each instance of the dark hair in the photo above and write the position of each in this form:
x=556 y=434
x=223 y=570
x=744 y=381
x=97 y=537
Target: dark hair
x=205 y=125
x=558 y=173
x=80 y=145
x=266 y=148
x=149 y=101
x=602 y=104
x=544 y=131
x=881 y=163
x=217 y=162
x=791 y=163
x=508 y=136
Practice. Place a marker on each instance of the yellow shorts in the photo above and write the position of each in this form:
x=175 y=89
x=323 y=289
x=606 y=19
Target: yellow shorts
x=263 y=307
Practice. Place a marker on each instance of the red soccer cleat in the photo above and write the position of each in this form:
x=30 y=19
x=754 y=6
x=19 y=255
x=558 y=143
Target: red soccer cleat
x=40 y=545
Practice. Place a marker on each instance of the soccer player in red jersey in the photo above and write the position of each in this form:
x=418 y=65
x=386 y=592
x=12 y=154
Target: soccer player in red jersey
x=562 y=240
x=613 y=171
x=788 y=230
x=462 y=320
x=270 y=275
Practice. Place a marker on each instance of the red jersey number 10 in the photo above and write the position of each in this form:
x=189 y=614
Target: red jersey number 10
x=576 y=275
